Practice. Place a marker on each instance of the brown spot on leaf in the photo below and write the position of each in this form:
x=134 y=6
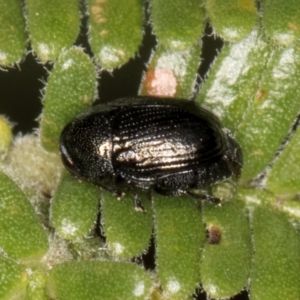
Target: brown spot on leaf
x=103 y=32
x=292 y=26
x=97 y=12
x=214 y=235
x=260 y=95
x=160 y=82
x=248 y=5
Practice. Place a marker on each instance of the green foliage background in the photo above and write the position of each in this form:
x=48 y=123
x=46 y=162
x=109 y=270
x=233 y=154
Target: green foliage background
x=53 y=247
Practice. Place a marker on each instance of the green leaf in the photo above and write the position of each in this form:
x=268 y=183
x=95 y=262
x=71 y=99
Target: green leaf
x=177 y=24
x=35 y=170
x=284 y=177
x=276 y=261
x=115 y=30
x=226 y=258
x=234 y=79
x=180 y=235
x=272 y=112
x=21 y=235
x=36 y=286
x=70 y=90
x=12 y=32
x=98 y=280
x=172 y=73
x=291 y=207
x=53 y=26
x=74 y=207
x=127 y=231
x=232 y=20
x=13 y=279
x=281 y=19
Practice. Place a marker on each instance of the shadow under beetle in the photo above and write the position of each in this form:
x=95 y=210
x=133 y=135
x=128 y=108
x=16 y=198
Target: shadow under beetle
x=165 y=144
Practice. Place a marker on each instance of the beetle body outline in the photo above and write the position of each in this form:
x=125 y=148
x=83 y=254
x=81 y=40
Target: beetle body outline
x=165 y=144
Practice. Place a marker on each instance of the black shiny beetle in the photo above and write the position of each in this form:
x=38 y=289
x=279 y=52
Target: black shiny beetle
x=169 y=145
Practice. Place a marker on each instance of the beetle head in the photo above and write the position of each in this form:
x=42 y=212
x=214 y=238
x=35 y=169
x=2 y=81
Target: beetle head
x=85 y=147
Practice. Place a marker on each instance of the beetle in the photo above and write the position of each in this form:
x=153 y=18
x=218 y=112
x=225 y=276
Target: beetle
x=167 y=145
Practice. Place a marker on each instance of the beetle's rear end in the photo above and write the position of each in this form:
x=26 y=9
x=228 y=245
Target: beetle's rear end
x=170 y=147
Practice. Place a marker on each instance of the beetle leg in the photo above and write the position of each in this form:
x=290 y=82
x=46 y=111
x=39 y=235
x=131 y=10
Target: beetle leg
x=211 y=199
x=138 y=206
x=116 y=192
x=206 y=197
